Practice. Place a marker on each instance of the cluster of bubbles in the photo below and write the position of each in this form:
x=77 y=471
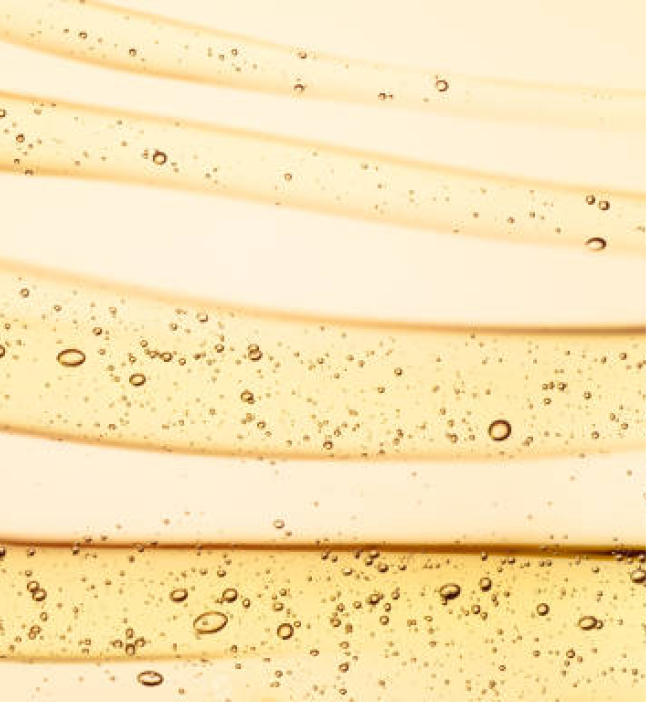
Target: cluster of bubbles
x=341 y=605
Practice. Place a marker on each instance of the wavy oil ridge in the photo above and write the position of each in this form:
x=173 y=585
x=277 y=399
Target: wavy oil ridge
x=43 y=137
x=153 y=45
x=89 y=363
x=567 y=618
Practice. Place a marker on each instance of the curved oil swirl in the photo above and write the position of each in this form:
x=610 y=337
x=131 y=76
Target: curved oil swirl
x=333 y=616
x=145 y=43
x=85 y=362
x=43 y=137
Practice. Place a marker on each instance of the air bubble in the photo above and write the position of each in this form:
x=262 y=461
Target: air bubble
x=587 y=623
x=441 y=85
x=449 y=591
x=150 y=678
x=210 y=623
x=71 y=358
x=596 y=243
x=137 y=379
x=253 y=352
x=500 y=430
x=542 y=609
x=285 y=631
x=230 y=595
x=39 y=595
x=247 y=396
x=179 y=594
x=160 y=158
x=485 y=584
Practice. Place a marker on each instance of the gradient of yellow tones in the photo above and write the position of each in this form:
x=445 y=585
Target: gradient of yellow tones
x=43 y=137
x=526 y=121
x=135 y=41
x=90 y=363
x=341 y=618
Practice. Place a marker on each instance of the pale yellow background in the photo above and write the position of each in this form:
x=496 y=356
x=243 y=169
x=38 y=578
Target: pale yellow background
x=313 y=263
x=272 y=257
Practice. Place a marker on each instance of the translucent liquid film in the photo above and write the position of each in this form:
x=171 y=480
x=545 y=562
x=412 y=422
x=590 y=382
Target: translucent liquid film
x=124 y=368
x=257 y=467
x=48 y=137
x=159 y=46
x=333 y=624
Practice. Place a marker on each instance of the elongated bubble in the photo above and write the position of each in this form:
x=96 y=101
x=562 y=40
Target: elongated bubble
x=210 y=623
x=150 y=678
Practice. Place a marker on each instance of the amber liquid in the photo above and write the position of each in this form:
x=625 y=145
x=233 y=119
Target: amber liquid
x=364 y=623
x=300 y=607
